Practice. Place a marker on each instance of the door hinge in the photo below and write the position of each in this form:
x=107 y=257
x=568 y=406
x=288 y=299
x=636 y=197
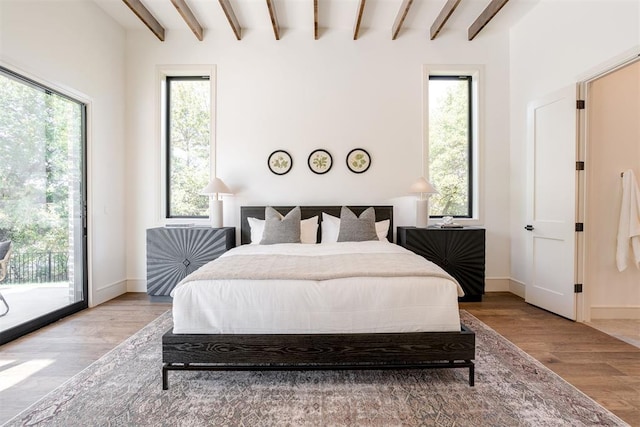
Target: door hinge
x=579 y=166
x=580 y=105
x=579 y=226
x=577 y=288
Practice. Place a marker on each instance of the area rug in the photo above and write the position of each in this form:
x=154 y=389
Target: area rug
x=124 y=388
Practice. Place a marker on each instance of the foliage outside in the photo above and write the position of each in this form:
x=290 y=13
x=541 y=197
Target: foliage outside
x=449 y=147
x=40 y=154
x=190 y=120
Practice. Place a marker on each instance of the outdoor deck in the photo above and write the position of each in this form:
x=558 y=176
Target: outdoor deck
x=29 y=301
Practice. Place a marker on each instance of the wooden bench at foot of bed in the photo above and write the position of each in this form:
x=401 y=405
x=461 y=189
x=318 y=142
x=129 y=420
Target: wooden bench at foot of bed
x=226 y=352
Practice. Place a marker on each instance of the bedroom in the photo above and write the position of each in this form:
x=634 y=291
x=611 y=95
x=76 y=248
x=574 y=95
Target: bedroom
x=300 y=94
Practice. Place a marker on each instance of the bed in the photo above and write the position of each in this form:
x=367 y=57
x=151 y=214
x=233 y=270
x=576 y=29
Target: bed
x=346 y=311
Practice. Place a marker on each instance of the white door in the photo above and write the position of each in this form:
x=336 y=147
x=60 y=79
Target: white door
x=551 y=239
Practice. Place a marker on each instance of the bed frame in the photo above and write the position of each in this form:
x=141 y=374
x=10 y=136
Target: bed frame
x=227 y=352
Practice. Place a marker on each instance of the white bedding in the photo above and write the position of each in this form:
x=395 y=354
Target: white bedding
x=340 y=305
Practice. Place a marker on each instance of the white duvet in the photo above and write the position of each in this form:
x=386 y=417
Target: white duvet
x=341 y=305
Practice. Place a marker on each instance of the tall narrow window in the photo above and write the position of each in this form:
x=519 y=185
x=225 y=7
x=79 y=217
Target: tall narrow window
x=451 y=145
x=188 y=124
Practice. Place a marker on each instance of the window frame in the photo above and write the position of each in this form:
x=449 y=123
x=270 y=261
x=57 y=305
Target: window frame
x=187 y=72
x=474 y=72
x=83 y=231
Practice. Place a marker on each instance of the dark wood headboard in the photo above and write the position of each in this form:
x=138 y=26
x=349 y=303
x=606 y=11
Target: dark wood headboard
x=382 y=213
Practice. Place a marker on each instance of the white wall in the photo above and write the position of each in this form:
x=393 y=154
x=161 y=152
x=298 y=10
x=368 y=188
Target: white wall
x=299 y=94
x=75 y=47
x=552 y=47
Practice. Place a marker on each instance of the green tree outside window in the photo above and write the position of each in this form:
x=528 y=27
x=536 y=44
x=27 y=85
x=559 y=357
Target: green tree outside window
x=449 y=145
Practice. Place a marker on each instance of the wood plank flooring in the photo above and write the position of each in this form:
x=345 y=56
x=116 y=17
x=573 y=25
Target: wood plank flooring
x=603 y=367
x=34 y=365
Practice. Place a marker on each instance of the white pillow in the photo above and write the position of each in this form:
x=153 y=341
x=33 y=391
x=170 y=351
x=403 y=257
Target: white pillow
x=257 y=228
x=331 y=229
x=308 y=230
x=382 y=229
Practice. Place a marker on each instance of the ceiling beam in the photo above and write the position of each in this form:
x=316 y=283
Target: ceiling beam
x=231 y=17
x=443 y=17
x=356 y=27
x=145 y=16
x=274 y=19
x=402 y=14
x=487 y=14
x=315 y=19
x=189 y=18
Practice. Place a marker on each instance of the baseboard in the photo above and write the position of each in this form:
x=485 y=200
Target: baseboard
x=615 y=312
x=108 y=292
x=517 y=288
x=504 y=284
x=137 y=285
x=496 y=284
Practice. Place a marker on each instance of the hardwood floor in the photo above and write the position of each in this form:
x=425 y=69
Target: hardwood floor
x=603 y=367
x=34 y=365
x=627 y=330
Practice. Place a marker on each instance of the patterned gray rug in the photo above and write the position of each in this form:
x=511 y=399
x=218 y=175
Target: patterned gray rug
x=124 y=388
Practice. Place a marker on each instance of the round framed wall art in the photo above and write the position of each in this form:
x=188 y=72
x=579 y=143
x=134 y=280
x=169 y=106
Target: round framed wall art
x=280 y=162
x=358 y=160
x=320 y=161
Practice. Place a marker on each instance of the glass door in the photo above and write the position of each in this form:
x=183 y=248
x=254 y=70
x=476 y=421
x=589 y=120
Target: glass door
x=43 y=273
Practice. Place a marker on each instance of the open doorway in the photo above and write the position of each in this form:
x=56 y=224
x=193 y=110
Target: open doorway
x=612 y=147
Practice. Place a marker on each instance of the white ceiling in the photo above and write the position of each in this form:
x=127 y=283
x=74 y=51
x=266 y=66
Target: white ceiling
x=333 y=14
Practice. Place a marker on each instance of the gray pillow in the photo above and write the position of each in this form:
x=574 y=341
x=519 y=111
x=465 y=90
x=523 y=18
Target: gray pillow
x=281 y=230
x=354 y=229
x=4 y=248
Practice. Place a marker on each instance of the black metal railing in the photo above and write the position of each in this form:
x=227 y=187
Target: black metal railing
x=37 y=267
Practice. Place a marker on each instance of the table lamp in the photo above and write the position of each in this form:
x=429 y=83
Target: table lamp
x=214 y=189
x=425 y=189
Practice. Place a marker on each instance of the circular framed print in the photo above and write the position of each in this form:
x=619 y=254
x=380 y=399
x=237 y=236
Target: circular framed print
x=358 y=160
x=320 y=161
x=280 y=162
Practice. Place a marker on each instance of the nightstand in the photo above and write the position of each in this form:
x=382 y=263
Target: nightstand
x=459 y=251
x=174 y=252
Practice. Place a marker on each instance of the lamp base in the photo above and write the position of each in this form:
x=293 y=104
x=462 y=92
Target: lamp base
x=422 y=213
x=216 y=213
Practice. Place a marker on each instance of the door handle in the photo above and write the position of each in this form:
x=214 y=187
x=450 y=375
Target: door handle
x=529 y=228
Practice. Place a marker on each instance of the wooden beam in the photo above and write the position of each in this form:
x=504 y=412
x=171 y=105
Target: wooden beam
x=274 y=19
x=356 y=27
x=145 y=16
x=315 y=19
x=231 y=17
x=487 y=14
x=189 y=18
x=402 y=14
x=443 y=17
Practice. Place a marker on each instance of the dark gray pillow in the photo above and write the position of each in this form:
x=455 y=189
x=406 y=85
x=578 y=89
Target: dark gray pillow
x=354 y=229
x=4 y=248
x=281 y=230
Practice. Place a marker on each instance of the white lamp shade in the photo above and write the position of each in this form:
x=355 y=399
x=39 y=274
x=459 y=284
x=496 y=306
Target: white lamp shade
x=422 y=186
x=216 y=186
